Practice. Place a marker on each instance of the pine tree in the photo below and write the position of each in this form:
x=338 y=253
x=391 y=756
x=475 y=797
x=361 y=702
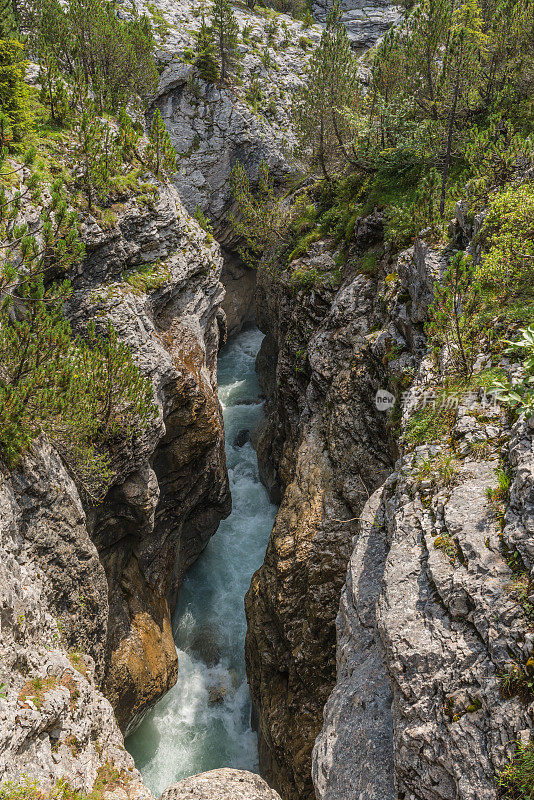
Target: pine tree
x=461 y=75
x=54 y=92
x=330 y=88
x=160 y=153
x=206 y=61
x=98 y=156
x=129 y=136
x=96 y=49
x=226 y=32
x=14 y=97
x=8 y=19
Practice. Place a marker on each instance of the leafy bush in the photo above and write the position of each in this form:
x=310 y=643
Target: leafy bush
x=506 y=269
x=520 y=396
x=108 y=778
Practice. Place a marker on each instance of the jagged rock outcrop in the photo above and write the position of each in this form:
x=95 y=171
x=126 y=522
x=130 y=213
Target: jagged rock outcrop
x=213 y=126
x=365 y=21
x=54 y=722
x=432 y=618
x=221 y=784
x=325 y=448
x=170 y=489
x=418 y=707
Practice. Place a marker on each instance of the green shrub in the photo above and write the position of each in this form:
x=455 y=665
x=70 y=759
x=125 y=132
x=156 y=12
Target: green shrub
x=441 y=470
x=147 y=278
x=433 y=423
x=81 y=392
x=516 y=782
x=254 y=93
x=506 y=269
x=15 y=114
x=305 y=43
x=368 y=263
x=204 y=222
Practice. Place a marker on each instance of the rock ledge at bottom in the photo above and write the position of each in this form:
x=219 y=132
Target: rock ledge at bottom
x=221 y=784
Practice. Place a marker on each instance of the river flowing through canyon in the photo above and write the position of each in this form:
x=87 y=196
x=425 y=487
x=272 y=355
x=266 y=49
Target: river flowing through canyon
x=204 y=721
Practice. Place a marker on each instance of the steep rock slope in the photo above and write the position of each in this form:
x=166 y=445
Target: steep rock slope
x=211 y=125
x=54 y=722
x=170 y=489
x=325 y=447
x=432 y=617
x=365 y=21
x=89 y=586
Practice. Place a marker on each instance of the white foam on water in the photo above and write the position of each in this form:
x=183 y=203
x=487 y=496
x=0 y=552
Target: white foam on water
x=204 y=721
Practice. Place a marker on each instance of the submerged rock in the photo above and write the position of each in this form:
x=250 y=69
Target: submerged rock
x=242 y=438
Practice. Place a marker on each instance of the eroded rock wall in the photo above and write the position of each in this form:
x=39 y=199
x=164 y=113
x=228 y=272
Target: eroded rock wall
x=431 y=618
x=54 y=722
x=89 y=587
x=171 y=487
x=324 y=449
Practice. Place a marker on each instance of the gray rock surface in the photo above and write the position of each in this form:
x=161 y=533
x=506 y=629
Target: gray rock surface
x=358 y=724
x=366 y=21
x=54 y=722
x=88 y=588
x=170 y=488
x=431 y=616
x=324 y=448
x=221 y=784
x=212 y=126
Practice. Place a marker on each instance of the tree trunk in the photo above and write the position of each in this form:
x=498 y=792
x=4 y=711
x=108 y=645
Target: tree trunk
x=447 y=160
x=321 y=150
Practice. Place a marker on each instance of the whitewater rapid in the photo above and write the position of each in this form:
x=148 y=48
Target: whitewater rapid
x=204 y=722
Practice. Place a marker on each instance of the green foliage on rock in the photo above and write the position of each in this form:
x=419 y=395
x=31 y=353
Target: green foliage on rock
x=206 y=58
x=15 y=113
x=478 y=299
x=160 y=154
x=516 y=782
x=257 y=219
x=520 y=395
x=82 y=392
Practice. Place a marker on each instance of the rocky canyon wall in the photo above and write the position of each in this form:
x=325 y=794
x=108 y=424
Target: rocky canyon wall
x=431 y=619
x=432 y=625
x=324 y=448
x=102 y=578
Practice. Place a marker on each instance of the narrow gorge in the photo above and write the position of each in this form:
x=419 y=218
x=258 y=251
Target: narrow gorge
x=266 y=400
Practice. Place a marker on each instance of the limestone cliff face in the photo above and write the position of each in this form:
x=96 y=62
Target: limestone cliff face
x=417 y=710
x=324 y=449
x=366 y=20
x=170 y=490
x=431 y=617
x=213 y=126
x=54 y=722
x=89 y=587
